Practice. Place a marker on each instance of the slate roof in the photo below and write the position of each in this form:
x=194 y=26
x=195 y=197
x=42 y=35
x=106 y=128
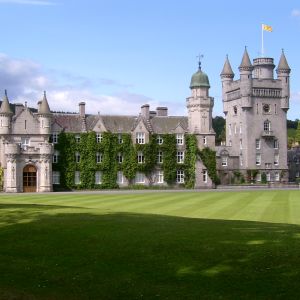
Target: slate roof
x=115 y=124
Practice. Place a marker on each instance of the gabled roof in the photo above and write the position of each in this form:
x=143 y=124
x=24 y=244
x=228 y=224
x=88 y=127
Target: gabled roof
x=168 y=124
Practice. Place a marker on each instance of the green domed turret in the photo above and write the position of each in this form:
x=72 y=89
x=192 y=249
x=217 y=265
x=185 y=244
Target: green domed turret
x=199 y=79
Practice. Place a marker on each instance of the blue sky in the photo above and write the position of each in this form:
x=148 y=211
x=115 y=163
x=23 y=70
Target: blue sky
x=118 y=55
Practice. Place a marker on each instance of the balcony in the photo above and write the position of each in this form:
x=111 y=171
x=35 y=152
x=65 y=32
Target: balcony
x=268 y=134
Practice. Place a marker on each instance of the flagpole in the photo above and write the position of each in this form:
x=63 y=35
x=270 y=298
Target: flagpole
x=262 y=40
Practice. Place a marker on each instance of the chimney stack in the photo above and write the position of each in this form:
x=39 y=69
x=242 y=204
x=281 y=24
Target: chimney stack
x=82 y=109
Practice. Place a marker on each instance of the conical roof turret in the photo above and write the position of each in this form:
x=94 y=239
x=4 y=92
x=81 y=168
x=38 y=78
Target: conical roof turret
x=44 y=106
x=283 y=65
x=5 y=108
x=246 y=63
x=227 y=70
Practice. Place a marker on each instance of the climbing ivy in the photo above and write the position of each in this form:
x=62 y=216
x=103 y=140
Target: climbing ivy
x=208 y=158
x=109 y=147
x=1 y=178
x=190 y=160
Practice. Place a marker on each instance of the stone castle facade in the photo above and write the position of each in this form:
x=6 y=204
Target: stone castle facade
x=255 y=107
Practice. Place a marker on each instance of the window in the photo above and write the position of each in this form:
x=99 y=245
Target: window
x=276 y=159
x=180 y=157
x=234 y=128
x=99 y=158
x=267 y=126
x=77 y=138
x=55 y=138
x=98 y=177
x=139 y=177
x=258 y=159
x=297 y=174
x=119 y=158
x=180 y=176
x=77 y=177
x=120 y=178
x=140 y=157
x=140 y=138
x=241 y=144
x=276 y=144
x=120 y=139
x=266 y=108
x=204 y=177
x=224 y=161
x=204 y=139
x=99 y=137
x=235 y=110
x=159 y=157
x=179 y=138
x=241 y=160
x=277 y=176
x=229 y=129
x=55 y=177
x=257 y=144
x=159 y=140
x=25 y=142
x=160 y=177
x=77 y=157
x=241 y=131
x=268 y=174
x=230 y=143
x=268 y=165
x=55 y=157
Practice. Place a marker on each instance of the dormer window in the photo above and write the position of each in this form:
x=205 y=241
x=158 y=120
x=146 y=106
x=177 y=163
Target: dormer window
x=179 y=138
x=140 y=137
x=99 y=137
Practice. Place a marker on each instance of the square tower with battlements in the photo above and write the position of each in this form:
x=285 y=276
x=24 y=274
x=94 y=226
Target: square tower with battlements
x=255 y=108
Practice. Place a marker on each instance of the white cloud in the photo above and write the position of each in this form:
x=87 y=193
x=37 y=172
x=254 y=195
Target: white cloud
x=26 y=80
x=29 y=2
x=295 y=13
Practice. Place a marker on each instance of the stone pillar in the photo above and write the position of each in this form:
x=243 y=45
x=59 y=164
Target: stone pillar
x=11 y=179
x=45 y=176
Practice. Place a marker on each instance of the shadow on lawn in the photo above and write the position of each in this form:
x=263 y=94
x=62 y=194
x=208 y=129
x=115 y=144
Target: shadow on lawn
x=133 y=256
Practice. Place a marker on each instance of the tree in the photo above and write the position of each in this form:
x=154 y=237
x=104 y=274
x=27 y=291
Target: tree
x=297 y=136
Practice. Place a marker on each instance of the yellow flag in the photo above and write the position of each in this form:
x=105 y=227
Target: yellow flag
x=267 y=27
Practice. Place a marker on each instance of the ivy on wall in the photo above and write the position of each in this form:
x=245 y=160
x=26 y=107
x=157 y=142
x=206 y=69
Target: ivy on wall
x=1 y=178
x=109 y=147
x=208 y=158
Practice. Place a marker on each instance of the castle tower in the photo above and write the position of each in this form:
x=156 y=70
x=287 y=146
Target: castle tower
x=44 y=116
x=5 y=116
x=200 y=106
x=227 y=76
x=255 y=109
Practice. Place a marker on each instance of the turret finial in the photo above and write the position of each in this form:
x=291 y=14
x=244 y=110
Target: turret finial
x=200 y=56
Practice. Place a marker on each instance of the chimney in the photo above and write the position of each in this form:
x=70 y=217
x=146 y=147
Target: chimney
x=152 y=114
x=162 y=111
x=18 y=108
x=145 y=111
x=82 y=109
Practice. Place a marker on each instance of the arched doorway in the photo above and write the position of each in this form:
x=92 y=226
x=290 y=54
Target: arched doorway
x=29 y=179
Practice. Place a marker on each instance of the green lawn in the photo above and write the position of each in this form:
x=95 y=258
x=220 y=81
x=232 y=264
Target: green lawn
x=179 y=245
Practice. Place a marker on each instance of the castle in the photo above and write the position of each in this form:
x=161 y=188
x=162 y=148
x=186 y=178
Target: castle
x=255 y=106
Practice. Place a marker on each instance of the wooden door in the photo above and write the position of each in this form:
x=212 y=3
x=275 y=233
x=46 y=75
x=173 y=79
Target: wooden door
x=29 y=179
